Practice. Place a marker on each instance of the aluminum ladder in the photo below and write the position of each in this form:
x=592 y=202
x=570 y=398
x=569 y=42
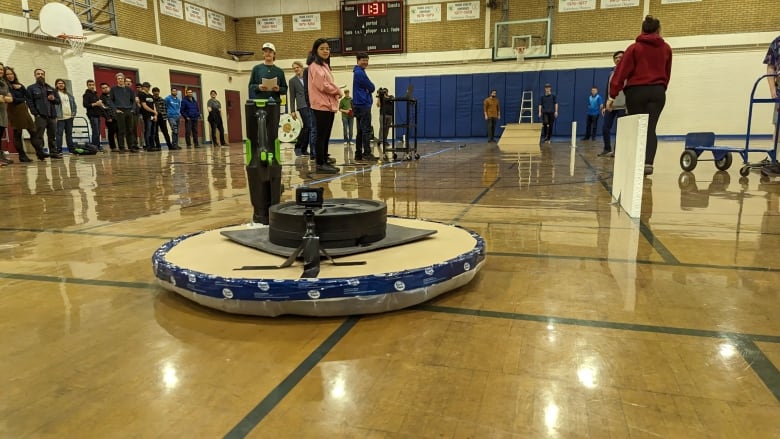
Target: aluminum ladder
x=527 y=107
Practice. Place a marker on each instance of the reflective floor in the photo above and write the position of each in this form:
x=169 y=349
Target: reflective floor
x=583 y=323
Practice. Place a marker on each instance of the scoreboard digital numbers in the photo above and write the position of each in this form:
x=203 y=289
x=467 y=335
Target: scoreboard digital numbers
x=372 y=27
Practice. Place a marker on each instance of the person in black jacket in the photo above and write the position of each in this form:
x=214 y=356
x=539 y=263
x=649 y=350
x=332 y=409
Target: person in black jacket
x=42 y=100
x=109 y=115
x=19 y=117
x=94 y=106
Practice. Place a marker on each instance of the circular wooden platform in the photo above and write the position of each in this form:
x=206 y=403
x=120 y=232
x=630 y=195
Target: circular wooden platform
x=201 y=267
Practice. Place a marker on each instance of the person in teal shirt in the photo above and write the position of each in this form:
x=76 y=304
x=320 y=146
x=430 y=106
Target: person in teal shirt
x=267 y=70
x=595 y=105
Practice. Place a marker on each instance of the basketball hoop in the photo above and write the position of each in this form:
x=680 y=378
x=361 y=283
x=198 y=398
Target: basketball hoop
x=520 y=53
x=76 y=42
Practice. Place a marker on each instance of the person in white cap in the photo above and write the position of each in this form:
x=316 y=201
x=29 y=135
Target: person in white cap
x=267 y=70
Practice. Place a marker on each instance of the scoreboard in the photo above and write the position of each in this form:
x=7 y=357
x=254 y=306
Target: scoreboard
x=372 y=27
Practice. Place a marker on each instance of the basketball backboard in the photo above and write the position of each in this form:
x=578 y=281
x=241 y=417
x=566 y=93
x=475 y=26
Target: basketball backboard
x=58 y=20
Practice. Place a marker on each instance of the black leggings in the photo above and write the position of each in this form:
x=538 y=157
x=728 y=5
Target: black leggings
x=324 y=122
x=650 y=100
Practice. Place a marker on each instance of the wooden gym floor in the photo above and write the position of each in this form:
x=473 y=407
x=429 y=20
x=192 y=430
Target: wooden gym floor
x=583 y=323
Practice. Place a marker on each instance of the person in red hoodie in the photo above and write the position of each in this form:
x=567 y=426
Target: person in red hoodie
x=643 y=74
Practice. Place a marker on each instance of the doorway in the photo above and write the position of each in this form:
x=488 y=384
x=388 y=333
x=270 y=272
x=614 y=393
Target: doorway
x=107 y=74
x=233 y=110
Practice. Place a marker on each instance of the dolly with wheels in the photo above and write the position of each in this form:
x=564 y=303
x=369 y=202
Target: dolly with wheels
x=696 y=143
x=772 y=153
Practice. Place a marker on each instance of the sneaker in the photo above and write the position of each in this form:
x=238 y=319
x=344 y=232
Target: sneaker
x=648 y=169
x=327 y=169
x=772 y=170
x=331 y=160
x=606 y=154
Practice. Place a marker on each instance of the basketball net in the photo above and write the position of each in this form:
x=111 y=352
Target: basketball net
x=76 y=42
x=520 y=53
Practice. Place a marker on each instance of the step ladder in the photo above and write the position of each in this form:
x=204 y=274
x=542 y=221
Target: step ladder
x=527 y=107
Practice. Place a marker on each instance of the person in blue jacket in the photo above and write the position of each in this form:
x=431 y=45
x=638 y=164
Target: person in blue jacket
x=190 y=111
x=362 y=87
x=173 y=109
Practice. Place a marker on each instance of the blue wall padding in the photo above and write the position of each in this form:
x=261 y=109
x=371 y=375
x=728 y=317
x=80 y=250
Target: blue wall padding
x=401 y=83
x=422 y=94
x=569 y=103
x=510 y=111
x=601 y=78
x=463 y=105
x=480 y=91
x=531 y=82
x=448 y=98
x=451 y=105
x=431 y=107
x=496 y=82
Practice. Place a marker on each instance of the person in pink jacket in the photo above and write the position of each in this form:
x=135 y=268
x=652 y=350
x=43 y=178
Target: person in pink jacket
x=324 y=97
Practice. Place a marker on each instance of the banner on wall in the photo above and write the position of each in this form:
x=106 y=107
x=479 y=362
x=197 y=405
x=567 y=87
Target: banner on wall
x=424 y=14
x=463 y=10
x=137 y=3
x=607 y=4
x=669 y=2
x=215 y=20
x=172 y=8
x=269 y=25
x=303 y=22
x=195 y=14
x=576 y=5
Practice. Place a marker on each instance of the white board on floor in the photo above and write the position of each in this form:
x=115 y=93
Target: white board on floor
x=628 y=173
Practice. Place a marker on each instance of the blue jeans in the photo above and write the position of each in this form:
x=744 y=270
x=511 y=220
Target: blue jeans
x=174 y=123
x=150 y=132
x=363 y=138
x=606 y=130
x=65 y=125
x=94 y=122
x=347 y=123
x=303 y=141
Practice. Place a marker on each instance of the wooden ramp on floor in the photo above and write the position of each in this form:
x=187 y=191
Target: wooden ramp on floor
x=520 y=138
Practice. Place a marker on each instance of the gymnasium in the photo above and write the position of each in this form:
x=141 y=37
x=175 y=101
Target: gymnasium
x=598 y=311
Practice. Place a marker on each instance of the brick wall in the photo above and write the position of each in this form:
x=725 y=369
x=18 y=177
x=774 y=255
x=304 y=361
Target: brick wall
x=715 y=17
x=181 y=34
x=289 y=44
x=135 y=23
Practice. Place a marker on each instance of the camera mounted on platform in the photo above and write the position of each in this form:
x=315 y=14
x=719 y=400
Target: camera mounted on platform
x=310 y=198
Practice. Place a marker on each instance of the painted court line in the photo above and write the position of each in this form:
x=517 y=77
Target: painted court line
x=745 y=343
x=262 y=409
